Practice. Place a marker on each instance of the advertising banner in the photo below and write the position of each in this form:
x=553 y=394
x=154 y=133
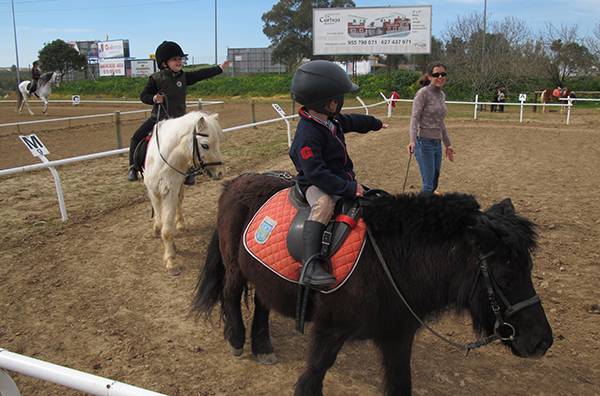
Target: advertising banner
x=111 y=49
x=112 y=67
x=142 y=67
x=376 y=30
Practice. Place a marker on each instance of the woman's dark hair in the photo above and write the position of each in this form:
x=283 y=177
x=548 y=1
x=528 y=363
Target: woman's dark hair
x=433 y=65
x=35 y=63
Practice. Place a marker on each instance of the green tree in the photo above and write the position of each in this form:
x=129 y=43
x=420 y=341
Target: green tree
x=567 y=59
x=289 y=27
x=60 y=56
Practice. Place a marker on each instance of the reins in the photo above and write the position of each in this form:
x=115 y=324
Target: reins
x=491 y=288
x=199 y=166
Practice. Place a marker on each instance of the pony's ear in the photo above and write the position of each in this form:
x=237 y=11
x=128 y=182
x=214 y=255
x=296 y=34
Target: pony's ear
x=201 y=124
x=503 y=207
x=216 y=115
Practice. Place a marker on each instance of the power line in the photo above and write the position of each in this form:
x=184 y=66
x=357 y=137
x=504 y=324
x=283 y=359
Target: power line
x=145 y=4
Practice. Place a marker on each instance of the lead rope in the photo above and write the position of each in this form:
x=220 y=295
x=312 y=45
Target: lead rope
x=462 y=347
x=406 y=175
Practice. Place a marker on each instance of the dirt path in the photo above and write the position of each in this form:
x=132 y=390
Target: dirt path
x=93 y=295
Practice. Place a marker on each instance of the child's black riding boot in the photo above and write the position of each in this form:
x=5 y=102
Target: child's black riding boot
x=313 y=274
x=190 y=179
x=133 y=173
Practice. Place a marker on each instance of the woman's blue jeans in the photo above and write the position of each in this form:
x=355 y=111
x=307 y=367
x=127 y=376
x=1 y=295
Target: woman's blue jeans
x=428 y=153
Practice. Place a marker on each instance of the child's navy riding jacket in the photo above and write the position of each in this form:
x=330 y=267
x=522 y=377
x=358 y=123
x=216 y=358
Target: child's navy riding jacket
x=319 y=152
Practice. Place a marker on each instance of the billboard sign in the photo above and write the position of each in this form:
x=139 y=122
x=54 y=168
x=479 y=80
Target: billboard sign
x=372 y=30
x=111 y=49
x=112 y=67
x=142 y=67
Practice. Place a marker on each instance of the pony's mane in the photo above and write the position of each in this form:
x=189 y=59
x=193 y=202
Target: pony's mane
x=184 y=125
x=420 y=215
x=517 y=232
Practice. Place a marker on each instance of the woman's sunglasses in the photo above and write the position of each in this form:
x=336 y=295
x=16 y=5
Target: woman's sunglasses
x=436 y=75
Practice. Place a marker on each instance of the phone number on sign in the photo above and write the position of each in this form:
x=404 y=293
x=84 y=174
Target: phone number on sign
x=375 y=42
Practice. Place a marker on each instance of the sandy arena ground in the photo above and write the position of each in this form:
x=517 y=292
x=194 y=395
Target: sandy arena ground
x=92 y=294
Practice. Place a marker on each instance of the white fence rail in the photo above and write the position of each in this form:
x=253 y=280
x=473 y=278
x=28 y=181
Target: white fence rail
x=75 y=379
x=283 y=117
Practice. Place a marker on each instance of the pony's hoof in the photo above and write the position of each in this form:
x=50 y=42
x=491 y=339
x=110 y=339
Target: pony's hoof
x=237 y=352
x=267 y=358
x=174 y=271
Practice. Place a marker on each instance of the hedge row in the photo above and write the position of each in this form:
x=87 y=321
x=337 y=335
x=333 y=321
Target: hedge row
x=269 y=85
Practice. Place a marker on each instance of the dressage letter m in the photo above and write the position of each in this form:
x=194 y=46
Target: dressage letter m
x=35 y=145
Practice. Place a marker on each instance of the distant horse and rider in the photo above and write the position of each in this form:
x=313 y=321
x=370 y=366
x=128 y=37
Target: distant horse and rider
x=554 y=95
x=40 y=88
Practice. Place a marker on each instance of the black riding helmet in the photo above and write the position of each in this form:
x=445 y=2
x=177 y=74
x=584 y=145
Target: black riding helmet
x=317 y=82
x=167 y=50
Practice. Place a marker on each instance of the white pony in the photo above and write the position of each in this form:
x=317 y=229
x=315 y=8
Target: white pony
x=43 y=90
x=178 y=145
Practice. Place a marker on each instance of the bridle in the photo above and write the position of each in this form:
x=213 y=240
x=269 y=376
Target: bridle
x=199 y=165
x=503 y=330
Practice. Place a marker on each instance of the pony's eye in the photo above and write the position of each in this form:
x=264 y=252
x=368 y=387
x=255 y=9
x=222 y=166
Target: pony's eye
x=204 y=146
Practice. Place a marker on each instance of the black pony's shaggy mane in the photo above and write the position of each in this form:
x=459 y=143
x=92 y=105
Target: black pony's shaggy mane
x=422 y=215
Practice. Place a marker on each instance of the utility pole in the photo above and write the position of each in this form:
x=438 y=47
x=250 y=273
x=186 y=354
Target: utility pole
x=484 y=31
x=16 y=46
x=216 y=61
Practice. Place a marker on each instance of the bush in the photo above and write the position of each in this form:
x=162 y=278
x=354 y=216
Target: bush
x=269 y=85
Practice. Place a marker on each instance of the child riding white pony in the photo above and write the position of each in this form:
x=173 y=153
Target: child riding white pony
x=43 y=90
x=190 y=143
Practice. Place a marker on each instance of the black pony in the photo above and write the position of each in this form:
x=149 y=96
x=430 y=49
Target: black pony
x=442 y=252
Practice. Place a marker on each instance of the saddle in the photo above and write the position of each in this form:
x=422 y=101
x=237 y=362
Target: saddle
x=345 y=217
x=274 y=236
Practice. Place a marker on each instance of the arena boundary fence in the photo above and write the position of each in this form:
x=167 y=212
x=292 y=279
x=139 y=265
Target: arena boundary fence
x=282 y=117
x=71 y=378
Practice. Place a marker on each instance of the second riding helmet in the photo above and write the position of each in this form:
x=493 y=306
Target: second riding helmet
x=167 y=50
x=317 y=82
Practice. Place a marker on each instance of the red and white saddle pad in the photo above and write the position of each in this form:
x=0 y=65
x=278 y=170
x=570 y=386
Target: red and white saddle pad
x=265 y=239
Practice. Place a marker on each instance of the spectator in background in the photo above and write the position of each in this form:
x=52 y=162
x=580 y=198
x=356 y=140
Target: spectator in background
x=427 y=127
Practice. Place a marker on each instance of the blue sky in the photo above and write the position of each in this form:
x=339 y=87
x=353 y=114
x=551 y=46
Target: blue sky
x=191 y=22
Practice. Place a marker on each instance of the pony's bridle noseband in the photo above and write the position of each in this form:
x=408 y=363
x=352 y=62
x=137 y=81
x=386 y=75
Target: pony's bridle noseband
x=502 y=329
x=199 y=166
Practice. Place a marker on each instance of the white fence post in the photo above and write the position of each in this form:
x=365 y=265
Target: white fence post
x=521 y=112
x=363 y=105
x=59 y=191
x=389 y=104
x=475 y=110
x=281 y=113
x=569 y=110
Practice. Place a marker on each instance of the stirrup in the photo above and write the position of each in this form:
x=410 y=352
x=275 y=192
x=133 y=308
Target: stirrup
x=321 y=284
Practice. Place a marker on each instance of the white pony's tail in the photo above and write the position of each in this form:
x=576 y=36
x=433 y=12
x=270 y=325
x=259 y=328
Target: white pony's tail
x=19 y=98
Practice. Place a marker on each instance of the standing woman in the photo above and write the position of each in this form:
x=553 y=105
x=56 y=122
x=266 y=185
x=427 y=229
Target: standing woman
x=427 y=128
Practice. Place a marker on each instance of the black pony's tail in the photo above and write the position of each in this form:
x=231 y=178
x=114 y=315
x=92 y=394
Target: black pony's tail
x=209 y=288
